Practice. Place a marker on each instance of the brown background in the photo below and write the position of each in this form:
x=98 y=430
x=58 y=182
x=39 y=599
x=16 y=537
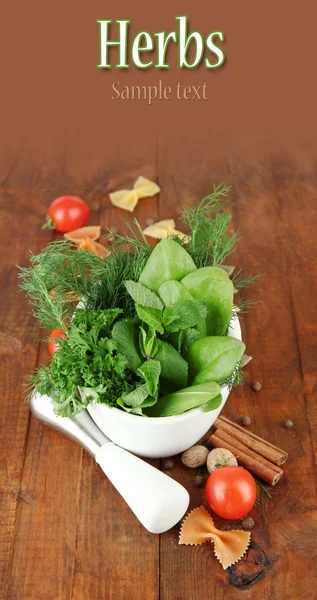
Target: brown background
x=64 y=531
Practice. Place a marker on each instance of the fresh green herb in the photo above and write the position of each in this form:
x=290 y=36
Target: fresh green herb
x=184 y=400
x=240 y=280
x=236 y=377
x=126 y=335
x=212 y=404
x=88 y=360
x=136 y=397
x=150 y=371
x=147 y=342
x=264 y=488
x=184 y=314
x=152 y=316
x=174 y=367
x=142 y=295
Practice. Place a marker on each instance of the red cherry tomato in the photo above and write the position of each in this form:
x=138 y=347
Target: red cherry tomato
x=231 y=492
x=52 y=343
x=68 y=213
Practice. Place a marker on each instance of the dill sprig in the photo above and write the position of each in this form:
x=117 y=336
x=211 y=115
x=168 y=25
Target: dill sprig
x=236 y=378
x=240 y=280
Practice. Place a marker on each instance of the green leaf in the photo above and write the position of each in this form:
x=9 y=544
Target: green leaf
x=184 y=314
x=183 y=400
x=134 y=411
x=173 y=366
x=136 y=397
x=173 y=291
x=142 y=295
x=212 y=404
x=125 y=334
x=150 y=371
x=151 y=316
x=168 y=260
x=147 y=341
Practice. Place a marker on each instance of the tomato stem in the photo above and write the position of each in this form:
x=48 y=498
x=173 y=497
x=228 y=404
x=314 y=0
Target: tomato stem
x=49 y=223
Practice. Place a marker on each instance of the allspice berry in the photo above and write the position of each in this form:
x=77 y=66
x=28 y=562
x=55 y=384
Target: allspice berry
x=168 y=464
x=245 y=420
x=288 y=424
x=248 y=523
x=256 y=386
x=199 y=481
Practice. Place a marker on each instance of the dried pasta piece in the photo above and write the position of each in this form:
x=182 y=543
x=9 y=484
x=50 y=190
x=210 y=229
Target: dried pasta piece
x=145 y=187
x=126 y=199
x=164 y=229
x=92 y=232
x=93 y=247
x=229 y=546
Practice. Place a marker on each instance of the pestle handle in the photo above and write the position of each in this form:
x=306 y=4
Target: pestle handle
x=157 y=500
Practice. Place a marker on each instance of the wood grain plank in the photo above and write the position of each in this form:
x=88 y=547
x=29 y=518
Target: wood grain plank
x=290 y=519
x=43 y=557
x=18 y=351
x=116 y=557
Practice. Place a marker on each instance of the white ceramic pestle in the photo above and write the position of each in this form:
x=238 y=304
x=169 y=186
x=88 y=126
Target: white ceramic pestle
x=157 y=500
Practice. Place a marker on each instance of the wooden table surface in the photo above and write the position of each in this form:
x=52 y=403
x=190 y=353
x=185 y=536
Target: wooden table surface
x=65 y=533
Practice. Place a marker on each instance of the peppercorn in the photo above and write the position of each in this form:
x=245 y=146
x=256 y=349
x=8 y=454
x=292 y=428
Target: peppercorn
x=247 y=523
x=168 y=464
x=256 y=386
x=245 y=420
x=288 y=424
x=199 y=481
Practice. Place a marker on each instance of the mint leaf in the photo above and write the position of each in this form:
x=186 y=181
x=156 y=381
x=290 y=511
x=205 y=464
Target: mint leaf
x=150 y=371
x=173 y=366
x=125 y=334
x=142 y=295
x=151 y=316
x=134 y=411
x=136 y=397
x=147 y=341
x=184 y=314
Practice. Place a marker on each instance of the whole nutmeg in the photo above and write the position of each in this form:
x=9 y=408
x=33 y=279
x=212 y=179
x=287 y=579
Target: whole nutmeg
x=220 y=457
x=195 y=456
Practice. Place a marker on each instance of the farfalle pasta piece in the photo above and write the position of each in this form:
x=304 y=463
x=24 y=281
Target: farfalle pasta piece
x=229 y=546
x=92 y=232
x=93 y=247
x=164 y=229
x=126 y=199
x=145 y=187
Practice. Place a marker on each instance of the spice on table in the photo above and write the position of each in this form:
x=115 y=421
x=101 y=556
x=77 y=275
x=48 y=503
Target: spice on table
x=195 y=456
x=168 y=464
x=199 y=481
x=229 y=546
x=248 y=523
x=288 y=424
x=252 y=441
x=220 y=457
x=256 y=386
x=254 y=462
x=245 y=420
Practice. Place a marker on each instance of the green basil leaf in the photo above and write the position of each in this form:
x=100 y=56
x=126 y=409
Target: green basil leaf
x=151 y=316
x=150 y=371
x=125 y=334
x=173 y=366
x=183 y=400
x=184 y=314
x=142 y=295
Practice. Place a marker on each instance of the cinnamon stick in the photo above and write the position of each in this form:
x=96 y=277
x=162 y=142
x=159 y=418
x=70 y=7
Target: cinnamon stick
x=266 y=471
x=262 y=447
